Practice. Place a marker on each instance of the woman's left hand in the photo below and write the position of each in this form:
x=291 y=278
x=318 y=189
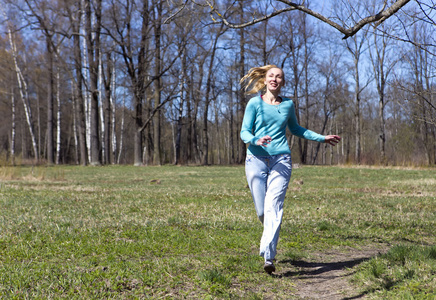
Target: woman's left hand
x=332 y=139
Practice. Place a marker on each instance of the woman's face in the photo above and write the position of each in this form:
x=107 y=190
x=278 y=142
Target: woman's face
x=274 y=79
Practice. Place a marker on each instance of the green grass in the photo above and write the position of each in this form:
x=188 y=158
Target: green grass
x=405 y=271
x=191 y=232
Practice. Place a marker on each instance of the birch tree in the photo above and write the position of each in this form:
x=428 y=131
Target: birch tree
x=22 y=87
x=58 y=116
x=39 y=11
x=13 y=128
x=93 y=31
x=136 y=62
x=74 y=14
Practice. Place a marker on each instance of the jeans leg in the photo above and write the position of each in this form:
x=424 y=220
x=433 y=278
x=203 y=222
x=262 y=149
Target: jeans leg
x=256 y=172
x=277 y=184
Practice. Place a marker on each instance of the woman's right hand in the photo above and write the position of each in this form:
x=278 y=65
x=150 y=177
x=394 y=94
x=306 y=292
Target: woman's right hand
x=264 y=141
x=332 y=139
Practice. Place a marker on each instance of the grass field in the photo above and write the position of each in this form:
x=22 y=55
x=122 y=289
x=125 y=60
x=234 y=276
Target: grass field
x=122 y=232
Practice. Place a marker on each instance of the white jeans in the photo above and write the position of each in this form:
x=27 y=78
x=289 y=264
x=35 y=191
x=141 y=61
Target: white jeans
x=268 y=178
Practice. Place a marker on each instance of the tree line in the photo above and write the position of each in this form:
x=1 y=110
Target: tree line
x=150 y=82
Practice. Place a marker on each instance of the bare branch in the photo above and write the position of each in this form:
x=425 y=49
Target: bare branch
x=239 y=26
x=429 y=18
x=170 y=18
x=380 y=17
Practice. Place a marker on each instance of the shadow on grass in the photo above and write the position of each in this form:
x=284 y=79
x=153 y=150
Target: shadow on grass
x=325 y=273
x=310 y=269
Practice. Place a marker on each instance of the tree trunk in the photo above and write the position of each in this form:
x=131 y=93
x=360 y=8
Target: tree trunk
x=38 y=121
x=58 y=117
x=189 y=136
x=22 y=86
x=305 y=143
x=80 y=100
x=382 y=132
x=197 y=98
x=106 y=106
x=296 y=74
x=121 y=131
x=178 y=139
x=157 y=86
x=231 y=143
x=217 y=139
x=242 y=148
x=356 y=52
x=93 y=47
x=102 y=113
x=138 y=81
x=381 y=71
x=205 y=150
x=113 y=108
x=357 y=120
x=137 y=143
x=13 y=129
x=75 y=131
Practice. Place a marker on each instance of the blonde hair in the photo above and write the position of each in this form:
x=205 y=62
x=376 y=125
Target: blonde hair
x=253 y=82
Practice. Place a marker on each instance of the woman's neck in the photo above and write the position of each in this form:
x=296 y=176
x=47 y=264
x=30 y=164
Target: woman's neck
x=271 y=98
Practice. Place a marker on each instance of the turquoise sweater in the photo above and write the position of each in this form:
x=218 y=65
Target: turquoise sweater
x=261 y=119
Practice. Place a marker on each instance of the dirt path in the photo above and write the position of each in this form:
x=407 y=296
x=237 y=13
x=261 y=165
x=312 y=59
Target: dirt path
x=326 y=275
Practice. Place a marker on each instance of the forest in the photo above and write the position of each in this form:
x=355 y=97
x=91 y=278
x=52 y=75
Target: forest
x=153 y=82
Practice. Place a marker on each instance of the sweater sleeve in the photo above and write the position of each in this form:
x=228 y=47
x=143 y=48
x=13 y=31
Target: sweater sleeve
x=300 y=131
x=248 y=124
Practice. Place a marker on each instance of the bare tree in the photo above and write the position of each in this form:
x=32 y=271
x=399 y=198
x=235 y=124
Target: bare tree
x=122 y=15
x=134 y=39
x=423 y=107
x=242 y=101
x=49 y=24
x=382 y=65
x=207 y=98
x=330 y=103
x=182 y=98
x=355 y=46
x=93 y=30
x=108 y=108
x=74 y=13
x=298 y=55
x=23 y=88
x=157 y=95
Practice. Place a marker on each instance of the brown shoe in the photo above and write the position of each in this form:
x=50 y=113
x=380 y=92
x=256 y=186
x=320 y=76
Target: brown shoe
x=269 y=267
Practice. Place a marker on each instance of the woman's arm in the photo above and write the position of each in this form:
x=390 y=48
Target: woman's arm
x=247 y=125
x=300 y=131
